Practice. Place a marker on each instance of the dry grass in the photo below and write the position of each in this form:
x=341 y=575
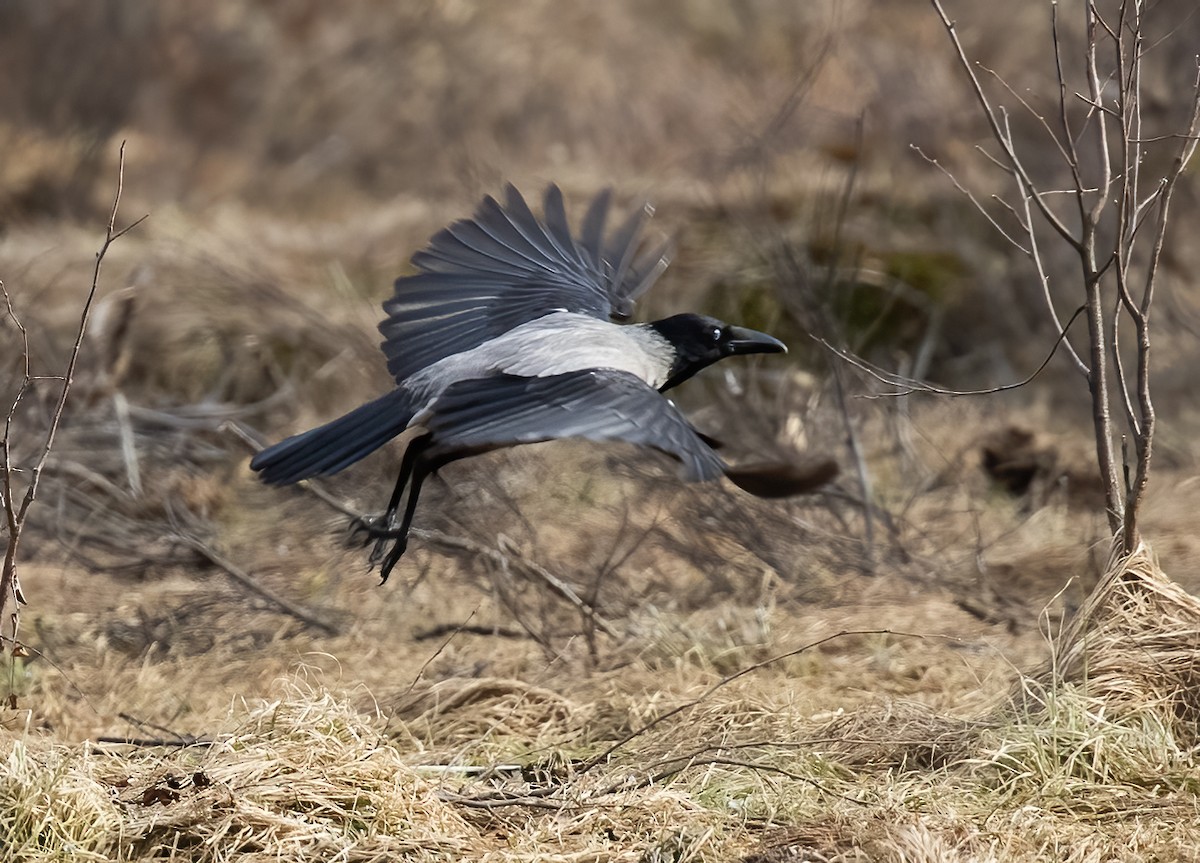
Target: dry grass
x=528 y=737
x=752 y=694
x=1133 y=647
x=502 y=769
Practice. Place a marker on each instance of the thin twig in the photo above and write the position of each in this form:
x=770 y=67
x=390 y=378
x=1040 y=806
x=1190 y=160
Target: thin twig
x=535 y=798
x=1006 y=144
x=457 y=543
x=174 y=737
x=853 y=443
x=1098 y=382
x=252 y=584
x=110 y=237
x=725 y=681
x=529 y=567
x=1039 y=266
x=15 y=515
x=971 y=197
x=182 y=742
x=675 y=766
x=1068 y=138
x=1033 y=112
x=16 y=646
x=1144 y=440
x=911 y=386
x=462 y=627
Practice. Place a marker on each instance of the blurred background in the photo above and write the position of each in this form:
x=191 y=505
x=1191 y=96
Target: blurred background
x=293 y=155
x=761 y=130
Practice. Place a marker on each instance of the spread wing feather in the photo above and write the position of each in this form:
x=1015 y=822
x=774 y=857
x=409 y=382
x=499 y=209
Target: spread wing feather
x=599 y=405
x=591 y=235
x=503 y=267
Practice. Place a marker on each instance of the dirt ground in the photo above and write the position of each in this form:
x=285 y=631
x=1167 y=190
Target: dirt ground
x=580 y=658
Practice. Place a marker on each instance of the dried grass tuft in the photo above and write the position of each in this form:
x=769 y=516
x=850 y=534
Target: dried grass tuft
x=900 y=735
x=304 y=777
x=476 y=712
x=52 y=807
x=1133 y=647
x=1112 y=715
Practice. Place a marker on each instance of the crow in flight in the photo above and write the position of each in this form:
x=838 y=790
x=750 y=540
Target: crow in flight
x=512 y=331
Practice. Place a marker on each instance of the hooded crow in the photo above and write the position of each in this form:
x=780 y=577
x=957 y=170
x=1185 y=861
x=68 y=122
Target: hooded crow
x=512 y=331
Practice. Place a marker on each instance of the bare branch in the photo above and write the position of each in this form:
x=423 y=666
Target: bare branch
x=10 y=507
x=1033 y=112
x=911 y=386
x=1158 y=139
x=252 y=584
x=1107 y=238
x=971 y=197
x=995 y=161
x=1142 y=210
x=1182 y=159
x=1006 y=144
x=725 y=681
x=69 y=377
x=1095 y=108
x=1119 y=368
x=497 y=556
x=1026 y=223
x=1144 y=441
x=1035 y=255
x=15 y=514
x=1069 y=139
x=1097 y=100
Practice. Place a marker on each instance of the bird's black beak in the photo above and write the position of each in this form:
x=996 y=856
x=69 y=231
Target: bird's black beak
x=744 y=341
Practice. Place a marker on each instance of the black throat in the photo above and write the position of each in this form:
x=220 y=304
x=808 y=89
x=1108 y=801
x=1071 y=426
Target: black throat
x=693 y=345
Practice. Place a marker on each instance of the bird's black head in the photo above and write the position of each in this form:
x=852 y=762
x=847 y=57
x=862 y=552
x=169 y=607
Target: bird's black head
x=699 y=341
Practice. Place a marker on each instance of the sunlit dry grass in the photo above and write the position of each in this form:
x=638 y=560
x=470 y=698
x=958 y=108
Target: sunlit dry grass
x=739 y=768
x=757 y=682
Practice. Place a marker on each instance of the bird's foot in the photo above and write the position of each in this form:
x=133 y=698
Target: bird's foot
x=375 y=527
x=386 y=554
x=390 y=541
x=392 y=558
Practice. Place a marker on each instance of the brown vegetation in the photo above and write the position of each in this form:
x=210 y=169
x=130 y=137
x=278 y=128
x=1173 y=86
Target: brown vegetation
x=581 y=659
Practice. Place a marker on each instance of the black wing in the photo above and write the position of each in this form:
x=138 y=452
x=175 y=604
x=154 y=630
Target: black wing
x=600 y=405
x=503 y=267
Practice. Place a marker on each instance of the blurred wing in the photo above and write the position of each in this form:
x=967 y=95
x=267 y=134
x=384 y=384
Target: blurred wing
x=630 y=270
x=784 y=478
x=503 y=267
x=599 y=405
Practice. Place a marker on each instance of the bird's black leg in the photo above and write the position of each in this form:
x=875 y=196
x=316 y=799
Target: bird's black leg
x=381 y=527
x=399 y=537
x=428 y=462
x=407 y=464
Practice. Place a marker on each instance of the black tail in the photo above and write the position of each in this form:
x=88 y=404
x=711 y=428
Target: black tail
x=336 y=445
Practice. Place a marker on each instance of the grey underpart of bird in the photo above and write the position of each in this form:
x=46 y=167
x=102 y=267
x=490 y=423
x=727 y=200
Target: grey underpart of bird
x=513 y=330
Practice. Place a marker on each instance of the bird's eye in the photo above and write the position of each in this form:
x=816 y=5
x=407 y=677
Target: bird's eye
x=716 y=334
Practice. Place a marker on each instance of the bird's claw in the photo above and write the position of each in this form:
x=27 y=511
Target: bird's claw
x=375 y=527
x=390 y=542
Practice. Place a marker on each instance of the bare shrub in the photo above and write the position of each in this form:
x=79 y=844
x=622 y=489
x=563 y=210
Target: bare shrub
x=1109 y=202
x=16 y=499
